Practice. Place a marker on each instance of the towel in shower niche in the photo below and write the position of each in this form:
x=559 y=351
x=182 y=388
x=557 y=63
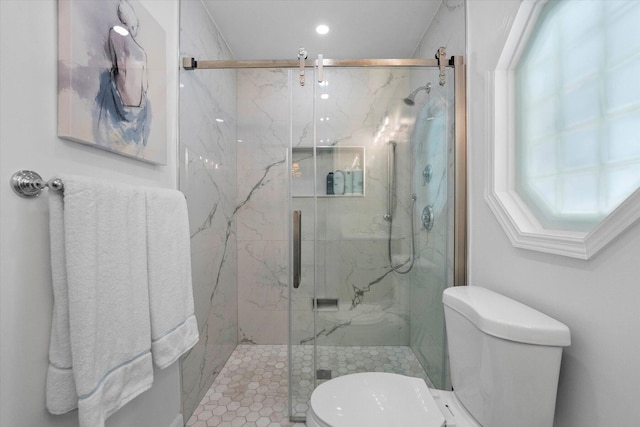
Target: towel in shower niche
x=100 y=356
x=174 y=329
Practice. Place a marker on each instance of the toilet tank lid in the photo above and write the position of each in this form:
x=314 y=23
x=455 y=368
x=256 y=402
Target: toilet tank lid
x=505 y=318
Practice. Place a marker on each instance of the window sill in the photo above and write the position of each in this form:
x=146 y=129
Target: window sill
x=524 y=231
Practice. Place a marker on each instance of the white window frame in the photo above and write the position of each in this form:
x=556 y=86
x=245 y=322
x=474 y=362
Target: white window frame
x=517 y=220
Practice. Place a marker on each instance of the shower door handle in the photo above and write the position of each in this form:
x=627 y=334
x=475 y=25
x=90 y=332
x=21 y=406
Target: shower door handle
x=297 y=248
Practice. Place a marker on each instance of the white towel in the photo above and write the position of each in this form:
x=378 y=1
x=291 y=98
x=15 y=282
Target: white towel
x=174 y=329
x=101 y=305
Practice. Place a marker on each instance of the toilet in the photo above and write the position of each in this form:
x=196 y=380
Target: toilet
x=504 y=359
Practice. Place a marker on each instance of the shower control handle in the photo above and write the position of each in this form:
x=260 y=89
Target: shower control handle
x=427 y=174
x=427 y=217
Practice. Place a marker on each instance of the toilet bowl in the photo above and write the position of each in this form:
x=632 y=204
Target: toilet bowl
x=505 y=363
x=377 y=399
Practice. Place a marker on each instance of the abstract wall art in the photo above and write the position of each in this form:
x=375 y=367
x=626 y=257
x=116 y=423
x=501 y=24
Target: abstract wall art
x=112 y=91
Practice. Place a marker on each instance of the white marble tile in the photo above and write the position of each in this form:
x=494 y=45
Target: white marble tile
x=264 y=326
x=263 y=205
x=263 y=280
x=207 y=176
x=352 y=264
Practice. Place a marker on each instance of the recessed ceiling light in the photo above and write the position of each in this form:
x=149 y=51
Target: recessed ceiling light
x=322 y=29
x=324 y=96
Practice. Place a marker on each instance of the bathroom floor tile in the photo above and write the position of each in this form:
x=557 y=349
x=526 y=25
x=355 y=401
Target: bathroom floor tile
x=252 y=387
x=250 y=390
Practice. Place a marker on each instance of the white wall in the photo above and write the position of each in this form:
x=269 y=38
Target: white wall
x=447 y=29
x=28 y=84
x=598 y=299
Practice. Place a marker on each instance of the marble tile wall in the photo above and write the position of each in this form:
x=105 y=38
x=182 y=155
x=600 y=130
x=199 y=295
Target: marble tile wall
x=365 y=109
x=207 y=174
x=263 y=205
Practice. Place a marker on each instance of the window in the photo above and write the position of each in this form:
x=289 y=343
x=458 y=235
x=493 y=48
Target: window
x=577 y=89
x=567 y=125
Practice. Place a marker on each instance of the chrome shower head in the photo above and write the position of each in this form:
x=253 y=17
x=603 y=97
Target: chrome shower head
x=410 y=100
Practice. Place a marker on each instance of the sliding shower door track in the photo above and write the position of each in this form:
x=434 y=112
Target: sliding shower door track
x=196 y=64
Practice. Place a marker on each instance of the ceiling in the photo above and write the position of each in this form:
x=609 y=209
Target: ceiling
x=359 y=29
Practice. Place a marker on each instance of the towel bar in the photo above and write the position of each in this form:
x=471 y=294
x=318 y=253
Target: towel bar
x=29 y=184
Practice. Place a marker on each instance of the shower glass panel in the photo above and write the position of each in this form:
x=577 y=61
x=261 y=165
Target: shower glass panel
x=303 y=191
x=352 y=312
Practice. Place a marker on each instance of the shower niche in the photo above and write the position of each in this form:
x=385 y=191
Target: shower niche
x=350 y=161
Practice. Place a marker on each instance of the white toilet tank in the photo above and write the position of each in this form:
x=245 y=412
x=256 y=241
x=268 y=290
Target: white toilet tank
x=504 y=357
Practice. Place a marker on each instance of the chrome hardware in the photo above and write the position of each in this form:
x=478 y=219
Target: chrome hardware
x=302 y=55
x=441 y=56
x=427 y=217
x=297 y=248
x=323 y=374
x=30 y=184
x=411 y=99
x=205 y=64
x=427 y=174
x=320 y=68
x=391 y=181
x=189 y=63
x=324 y=304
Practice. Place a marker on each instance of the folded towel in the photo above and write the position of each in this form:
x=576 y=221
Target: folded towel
x=174 y=329
x=99 y=353
x=61 y=387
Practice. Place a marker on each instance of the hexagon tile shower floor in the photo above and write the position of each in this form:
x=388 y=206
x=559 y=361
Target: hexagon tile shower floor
x=251 y=389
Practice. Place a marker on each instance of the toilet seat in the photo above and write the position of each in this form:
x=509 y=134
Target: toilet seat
x=374 y=399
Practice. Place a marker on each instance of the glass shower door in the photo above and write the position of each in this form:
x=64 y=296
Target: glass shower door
x=353 y=312
x=303 y=236
x=434 y=164
x=363 y=324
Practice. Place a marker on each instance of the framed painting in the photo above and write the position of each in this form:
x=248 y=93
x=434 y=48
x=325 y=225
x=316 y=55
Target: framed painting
x=112 y=78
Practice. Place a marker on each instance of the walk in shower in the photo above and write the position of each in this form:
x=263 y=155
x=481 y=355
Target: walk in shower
x=337 y=183
x=354 y=310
